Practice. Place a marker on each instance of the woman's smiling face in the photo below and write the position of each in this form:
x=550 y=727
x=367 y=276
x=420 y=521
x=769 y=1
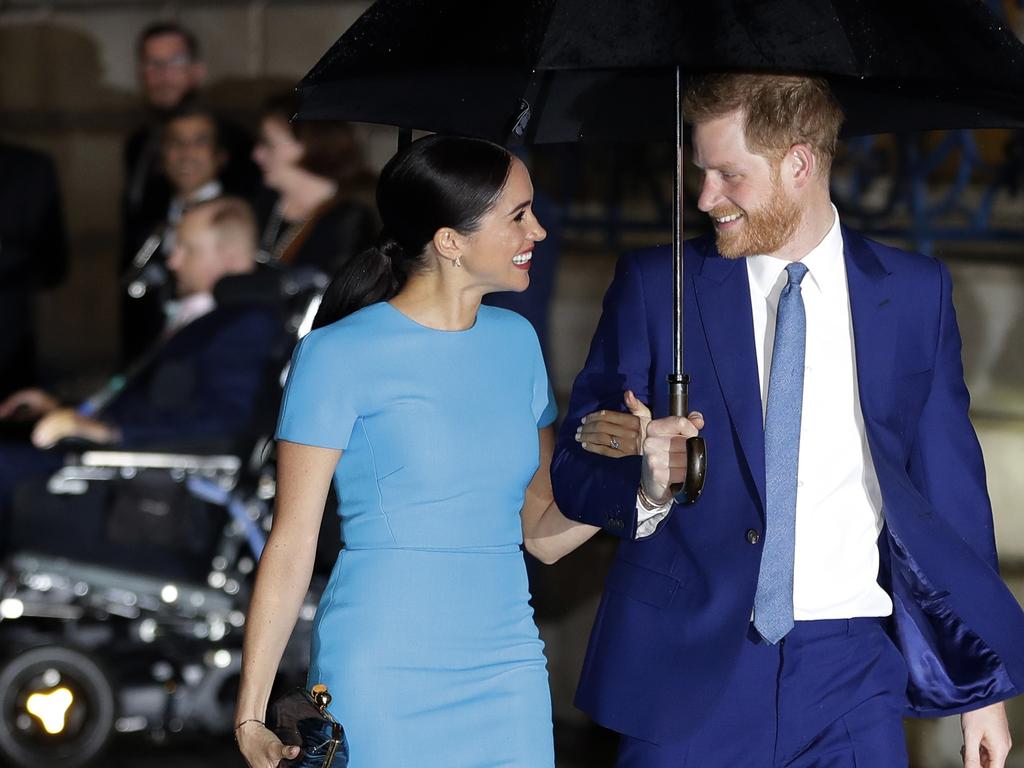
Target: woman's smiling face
x=498 y=253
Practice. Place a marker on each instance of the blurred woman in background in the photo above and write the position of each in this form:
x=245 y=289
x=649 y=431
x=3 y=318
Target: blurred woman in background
x=323 y=212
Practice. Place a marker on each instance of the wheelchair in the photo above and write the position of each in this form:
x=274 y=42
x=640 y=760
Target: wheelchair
x=131 y=621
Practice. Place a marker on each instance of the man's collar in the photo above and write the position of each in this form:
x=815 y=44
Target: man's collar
x=179 y=204
x=183 y=311
x=824 y=264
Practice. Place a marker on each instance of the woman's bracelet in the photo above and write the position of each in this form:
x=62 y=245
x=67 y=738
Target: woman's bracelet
x=244 y=722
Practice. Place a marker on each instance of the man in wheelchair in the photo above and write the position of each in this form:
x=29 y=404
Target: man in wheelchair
x=196 y=389
x=128 y=525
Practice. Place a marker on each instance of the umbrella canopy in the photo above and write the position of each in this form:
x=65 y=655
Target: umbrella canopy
x=566 y=70
x=570 y=70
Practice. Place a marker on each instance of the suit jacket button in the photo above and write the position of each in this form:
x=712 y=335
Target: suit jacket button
x=753 y=536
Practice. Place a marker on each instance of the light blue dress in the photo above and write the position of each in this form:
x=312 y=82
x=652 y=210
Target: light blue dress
x=425 y=635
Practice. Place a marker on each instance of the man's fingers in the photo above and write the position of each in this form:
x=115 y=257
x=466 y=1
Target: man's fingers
x=697 y=419
x=972 y=749
x=41 y=436
x=672 y=425
x=676 y=475
x=677 y=460
x=636 y=408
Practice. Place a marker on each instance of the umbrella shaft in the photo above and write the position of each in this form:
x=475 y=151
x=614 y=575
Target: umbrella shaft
x=678 y=395
x=677 y=238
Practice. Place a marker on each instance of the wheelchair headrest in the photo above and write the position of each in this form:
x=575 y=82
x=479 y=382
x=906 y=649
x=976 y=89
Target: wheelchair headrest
x=269 y=285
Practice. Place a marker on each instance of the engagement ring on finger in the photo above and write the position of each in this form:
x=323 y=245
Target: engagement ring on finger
x=614 y=443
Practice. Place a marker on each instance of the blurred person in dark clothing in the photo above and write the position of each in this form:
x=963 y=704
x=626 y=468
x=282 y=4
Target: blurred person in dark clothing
x=192 y=156
x=197 y=386
x=33 y=256
x=171 y=72
x=320 y=211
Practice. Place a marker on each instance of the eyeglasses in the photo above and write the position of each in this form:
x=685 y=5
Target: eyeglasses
x=201 y=141
x=178 y=61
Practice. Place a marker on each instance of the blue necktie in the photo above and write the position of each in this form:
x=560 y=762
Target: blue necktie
x=773 y=601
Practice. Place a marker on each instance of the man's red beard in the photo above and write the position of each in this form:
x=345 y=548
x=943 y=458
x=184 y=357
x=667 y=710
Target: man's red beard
x=762 y=231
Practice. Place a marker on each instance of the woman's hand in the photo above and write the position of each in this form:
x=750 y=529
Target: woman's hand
x=614 y=433
x=617 y=434
x=260 y=747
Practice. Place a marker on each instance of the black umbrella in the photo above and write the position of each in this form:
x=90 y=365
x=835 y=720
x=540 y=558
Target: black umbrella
x=571 y=70
x=565 y=70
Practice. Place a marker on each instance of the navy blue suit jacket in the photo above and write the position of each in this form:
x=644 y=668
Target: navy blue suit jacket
x=677 y=604
x=204 y=382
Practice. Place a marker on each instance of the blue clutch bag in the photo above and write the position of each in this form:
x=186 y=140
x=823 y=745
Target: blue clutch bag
x=301 y=719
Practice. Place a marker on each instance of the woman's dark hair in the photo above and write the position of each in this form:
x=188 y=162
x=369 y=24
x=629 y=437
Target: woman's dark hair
x=437 y=181
x=330 y=148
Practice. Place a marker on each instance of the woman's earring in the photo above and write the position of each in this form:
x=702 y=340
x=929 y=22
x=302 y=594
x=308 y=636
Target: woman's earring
x=457 y=262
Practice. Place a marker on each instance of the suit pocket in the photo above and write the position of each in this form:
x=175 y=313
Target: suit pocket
x=642 y=584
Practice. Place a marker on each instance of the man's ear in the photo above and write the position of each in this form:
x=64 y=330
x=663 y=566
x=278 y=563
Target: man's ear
x=800 y=165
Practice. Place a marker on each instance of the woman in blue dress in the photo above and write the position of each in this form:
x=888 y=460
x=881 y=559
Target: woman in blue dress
x=433 y=415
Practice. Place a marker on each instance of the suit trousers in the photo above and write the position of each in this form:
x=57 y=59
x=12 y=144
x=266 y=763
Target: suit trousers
x=831 y=694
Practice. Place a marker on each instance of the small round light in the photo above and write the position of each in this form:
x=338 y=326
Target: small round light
x=169 y=593
x=11 y=608
x=217 y=630
x=222 y=659
x=147 y=630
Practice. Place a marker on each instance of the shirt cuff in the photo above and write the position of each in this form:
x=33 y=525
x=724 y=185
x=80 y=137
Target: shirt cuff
x=648 y=520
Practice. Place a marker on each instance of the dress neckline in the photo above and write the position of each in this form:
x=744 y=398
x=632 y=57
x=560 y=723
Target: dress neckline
x=401 y=314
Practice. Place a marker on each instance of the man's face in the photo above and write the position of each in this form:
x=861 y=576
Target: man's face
x=190 y=153
x=744 y=194
x=167 y=71
x=197 y=260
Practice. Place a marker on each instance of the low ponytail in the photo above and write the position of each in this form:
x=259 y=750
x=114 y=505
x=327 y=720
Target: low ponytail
x=437 y=181
x=374 y=275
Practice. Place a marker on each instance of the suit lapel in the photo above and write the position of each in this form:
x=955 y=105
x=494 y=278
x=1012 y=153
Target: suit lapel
x=723 y=301
x=874 y=324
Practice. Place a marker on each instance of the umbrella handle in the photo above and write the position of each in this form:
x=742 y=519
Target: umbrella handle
x=691 y=488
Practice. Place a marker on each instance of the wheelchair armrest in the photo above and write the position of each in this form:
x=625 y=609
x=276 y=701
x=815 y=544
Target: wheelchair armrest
x=185 y=462
x=100 y=466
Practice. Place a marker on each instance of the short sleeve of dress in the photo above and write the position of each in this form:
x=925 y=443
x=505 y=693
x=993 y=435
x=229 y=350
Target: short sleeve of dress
x=319 y=407
x=545 y=409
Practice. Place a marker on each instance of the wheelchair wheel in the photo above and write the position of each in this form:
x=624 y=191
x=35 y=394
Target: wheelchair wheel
x=56 y=708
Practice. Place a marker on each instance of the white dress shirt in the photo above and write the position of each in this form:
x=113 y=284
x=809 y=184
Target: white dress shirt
x=838 y=503
x=183 y=311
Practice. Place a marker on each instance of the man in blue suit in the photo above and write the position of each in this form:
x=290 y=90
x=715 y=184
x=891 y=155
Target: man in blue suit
x=197 y=387
x=840 y=569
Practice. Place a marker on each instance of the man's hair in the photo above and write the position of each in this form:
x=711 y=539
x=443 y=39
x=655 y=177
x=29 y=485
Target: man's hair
x=778 y=110
x=231 y=217
x=193 y=108
x=161 y=28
